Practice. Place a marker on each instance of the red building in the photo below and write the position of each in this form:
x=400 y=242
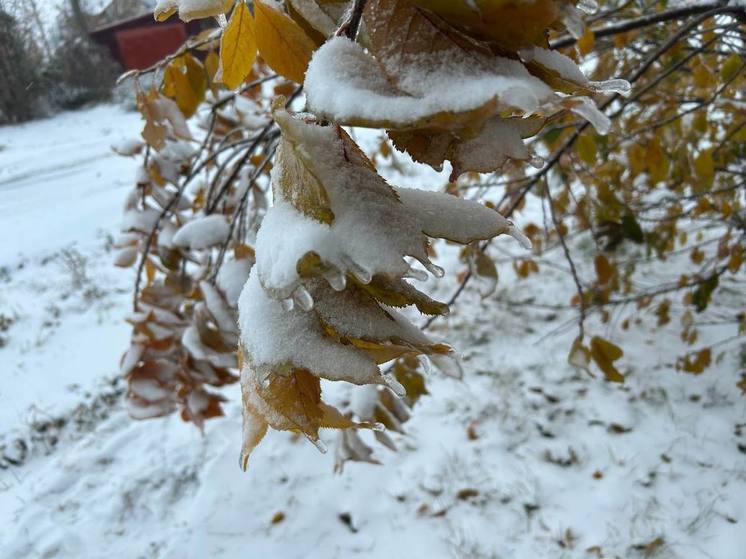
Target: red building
x=139 y=41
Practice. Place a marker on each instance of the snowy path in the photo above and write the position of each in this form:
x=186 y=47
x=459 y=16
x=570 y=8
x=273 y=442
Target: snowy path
x=61 y=195
x=525 y=458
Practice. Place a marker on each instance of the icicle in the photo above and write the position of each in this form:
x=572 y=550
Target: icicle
x=303 y=298
x=622 y=87
x=424 y=360
x=395 y=385
x=335 y=278
x=587 y=109
x=434 y=269
x=288 y=304
x=222 y=21
x=588 y=6
x=572 y=20
x=536 y=161
x=358 y=271
x=518 y=235
x=319 y=444
x=377 y=426
x=414 y=273
x=449 y=365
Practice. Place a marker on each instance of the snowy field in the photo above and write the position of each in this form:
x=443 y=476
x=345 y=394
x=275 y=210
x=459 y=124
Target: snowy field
x=524 y=458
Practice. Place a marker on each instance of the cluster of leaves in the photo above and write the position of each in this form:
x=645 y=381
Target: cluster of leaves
x=448 y=81
x=660 y=199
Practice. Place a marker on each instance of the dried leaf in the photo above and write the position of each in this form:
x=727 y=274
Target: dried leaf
x=604 y=353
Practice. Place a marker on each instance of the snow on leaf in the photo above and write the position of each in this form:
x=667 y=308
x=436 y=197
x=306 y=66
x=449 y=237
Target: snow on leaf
x=275 y=340
x=191 y=9
x=444 y=88
x=163 y=119
x=282 y=42
x=237 y=47
x=202 y=232
x=362 y=227
x=348 y=85
x=448 y=217
x=499 y=140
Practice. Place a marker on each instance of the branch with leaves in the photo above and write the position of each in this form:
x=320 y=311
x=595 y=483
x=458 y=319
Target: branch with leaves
x=315 y=280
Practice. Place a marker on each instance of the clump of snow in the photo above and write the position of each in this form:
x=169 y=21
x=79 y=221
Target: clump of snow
x=140 y=220
x=346 y=84
x=449 y=217
x=202 y=232
x=193 y=9
x=554 y=60
x=273 y=336
x=232 y=276
x=374 y=226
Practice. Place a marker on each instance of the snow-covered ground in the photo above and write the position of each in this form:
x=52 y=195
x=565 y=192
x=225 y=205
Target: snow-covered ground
x=524 y=458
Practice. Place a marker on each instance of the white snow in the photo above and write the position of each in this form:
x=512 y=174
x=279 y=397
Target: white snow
x=346 y=84
x=659 y=457
x=193 y=9
x=202 y=232
x=554 y=60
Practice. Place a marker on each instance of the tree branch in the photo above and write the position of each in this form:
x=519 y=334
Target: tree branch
x=662 y=17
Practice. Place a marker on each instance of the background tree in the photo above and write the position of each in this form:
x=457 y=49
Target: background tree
x=19 y=88
x=664 y=185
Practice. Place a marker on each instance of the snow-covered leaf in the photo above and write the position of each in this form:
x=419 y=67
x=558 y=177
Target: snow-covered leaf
x=191 y=9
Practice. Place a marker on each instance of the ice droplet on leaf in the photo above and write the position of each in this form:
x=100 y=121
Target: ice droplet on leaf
x=336 y=279
x=303 y=298
x=622 y=87
x=414 y=273
x=588 y=6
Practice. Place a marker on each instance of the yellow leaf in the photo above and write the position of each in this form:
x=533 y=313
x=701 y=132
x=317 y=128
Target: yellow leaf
x=185 y=81
x=585 y=147
x=695 y=363
x=604 y=353
x=238 y=47
x=281 y=42
x=731 y=67
x=704 y=166
x=212 y=63
x=586 y=41
x=604 y=269
x=157 y=110
x=406 y=371
x=288 y=402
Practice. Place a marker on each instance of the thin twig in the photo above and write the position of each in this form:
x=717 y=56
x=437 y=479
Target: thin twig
x=569 y=259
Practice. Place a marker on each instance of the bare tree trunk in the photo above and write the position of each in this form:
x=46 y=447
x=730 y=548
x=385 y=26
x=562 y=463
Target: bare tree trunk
x=42 y=30
x=79 y=15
